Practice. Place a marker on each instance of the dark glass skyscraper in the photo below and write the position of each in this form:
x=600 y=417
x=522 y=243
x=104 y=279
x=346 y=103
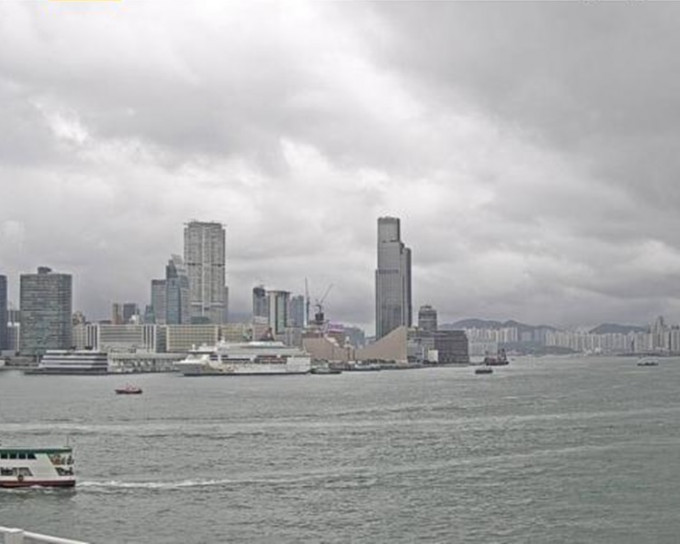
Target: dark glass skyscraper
x=392 y=279
x=170 y=297
x=177 y=292
x=46 y=301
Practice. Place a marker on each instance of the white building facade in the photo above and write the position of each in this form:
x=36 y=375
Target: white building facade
x=204 y=258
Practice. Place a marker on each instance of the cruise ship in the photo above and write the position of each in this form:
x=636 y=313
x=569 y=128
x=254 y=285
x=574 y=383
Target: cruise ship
x=72 y=362
x=245 y=358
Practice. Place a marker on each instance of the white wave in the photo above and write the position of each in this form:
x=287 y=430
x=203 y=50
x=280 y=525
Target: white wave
x=116 y=484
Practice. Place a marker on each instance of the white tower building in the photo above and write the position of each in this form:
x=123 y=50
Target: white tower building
x=204 y=257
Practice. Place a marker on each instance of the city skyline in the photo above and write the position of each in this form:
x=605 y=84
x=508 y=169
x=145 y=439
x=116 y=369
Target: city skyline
x=529 y=148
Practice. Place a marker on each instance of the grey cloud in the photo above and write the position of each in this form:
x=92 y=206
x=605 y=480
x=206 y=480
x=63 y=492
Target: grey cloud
x=530 y=149
x=597 y=80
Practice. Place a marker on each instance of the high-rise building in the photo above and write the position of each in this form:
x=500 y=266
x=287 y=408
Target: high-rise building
x=204 y=255
x=427 y=318
x=260 y=302
x=130 y=310
x=392 y=279
x=278 y=311
x=297 y=311
x=46 y=301
x=3 y=313
x=149 y=316
x=177 y=293
x=116 y=313
x=13 y=328
x=452 y=347
x=159 y=302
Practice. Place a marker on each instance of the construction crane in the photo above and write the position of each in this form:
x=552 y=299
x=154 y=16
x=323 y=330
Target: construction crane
x=318 y=316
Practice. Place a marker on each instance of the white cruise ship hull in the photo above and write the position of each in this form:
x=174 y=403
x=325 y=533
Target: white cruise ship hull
x=245 y=359
x=293 y=365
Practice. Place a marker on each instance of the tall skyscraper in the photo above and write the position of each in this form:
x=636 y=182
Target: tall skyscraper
x=177 y=292
x=278 y=302
x=297 y=311
x=159 y=302
x=46 y=301
x=392 y=279
x=427 y=318
x=4 y=344
x=260 y=302
x=204 y=256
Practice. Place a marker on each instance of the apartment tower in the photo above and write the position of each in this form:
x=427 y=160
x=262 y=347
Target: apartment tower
x=204 y=258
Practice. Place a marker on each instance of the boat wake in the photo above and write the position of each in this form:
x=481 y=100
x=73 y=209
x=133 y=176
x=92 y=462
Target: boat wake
x=182 y=484
x=336 y=481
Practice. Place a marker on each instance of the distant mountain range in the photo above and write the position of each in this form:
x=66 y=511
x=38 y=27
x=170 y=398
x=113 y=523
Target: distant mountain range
x=491 y=324
x=610 y=328
x=605 y=328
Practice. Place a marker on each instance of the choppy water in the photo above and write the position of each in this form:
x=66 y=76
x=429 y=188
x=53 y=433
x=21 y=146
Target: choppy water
x=544 y=450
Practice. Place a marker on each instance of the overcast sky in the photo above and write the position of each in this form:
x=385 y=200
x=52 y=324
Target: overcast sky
x=531 y=150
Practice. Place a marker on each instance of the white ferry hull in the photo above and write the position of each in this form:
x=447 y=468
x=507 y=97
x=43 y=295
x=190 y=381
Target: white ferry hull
x=33 y=482
x=32 y=467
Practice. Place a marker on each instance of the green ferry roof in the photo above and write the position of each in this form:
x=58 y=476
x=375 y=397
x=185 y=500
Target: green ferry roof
x=36 y=450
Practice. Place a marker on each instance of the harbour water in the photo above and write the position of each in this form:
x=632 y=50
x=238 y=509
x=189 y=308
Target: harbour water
x=544 y=450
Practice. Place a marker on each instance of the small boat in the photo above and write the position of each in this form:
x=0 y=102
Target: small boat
x=484 y=370
x=44 y=467
x=325 y=370
x=129 y=390
x=365 y=367
x=648 y=362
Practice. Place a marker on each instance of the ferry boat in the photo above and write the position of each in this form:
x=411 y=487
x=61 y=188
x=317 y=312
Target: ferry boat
x=72 y=362
x=45 y=467
x=484 y=370
x=245 y=358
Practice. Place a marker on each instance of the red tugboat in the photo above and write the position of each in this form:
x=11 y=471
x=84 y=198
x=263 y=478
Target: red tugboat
x=499 y=360
x=129 y=390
